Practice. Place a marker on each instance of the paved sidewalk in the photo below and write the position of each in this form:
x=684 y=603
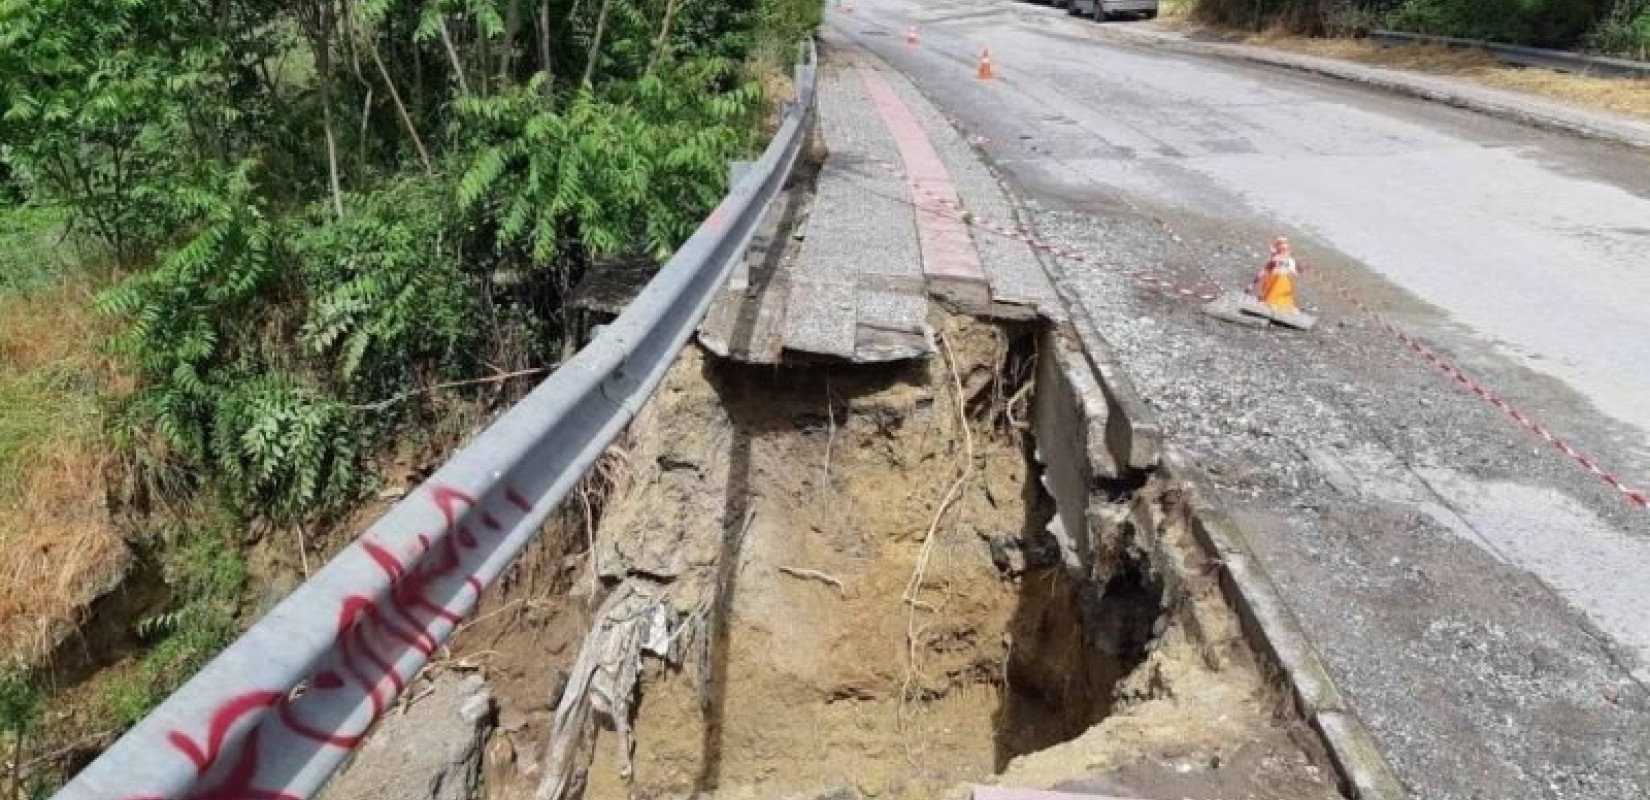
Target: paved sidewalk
x=882 y=233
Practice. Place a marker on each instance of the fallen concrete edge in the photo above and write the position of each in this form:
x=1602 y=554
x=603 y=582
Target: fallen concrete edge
x=1132 y=432
x=1358 y=760
x=1068 y=414
x=1353 y=74
x=1278 y=636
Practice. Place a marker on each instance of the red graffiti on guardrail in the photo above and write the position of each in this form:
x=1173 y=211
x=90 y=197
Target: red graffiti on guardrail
x=371 y=638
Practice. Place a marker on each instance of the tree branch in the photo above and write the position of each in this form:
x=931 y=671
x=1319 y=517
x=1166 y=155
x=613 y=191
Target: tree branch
x=379 y=405
x=595 y=44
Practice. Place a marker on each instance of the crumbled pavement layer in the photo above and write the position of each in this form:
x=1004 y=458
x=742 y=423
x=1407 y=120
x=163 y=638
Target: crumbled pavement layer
x=861 y=226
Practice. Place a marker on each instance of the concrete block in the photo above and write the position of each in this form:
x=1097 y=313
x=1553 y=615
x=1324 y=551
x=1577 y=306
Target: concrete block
x=1359 y=759
x=1230 y=308
x=1132 y=432
x=1245 y=310
x=821 y=318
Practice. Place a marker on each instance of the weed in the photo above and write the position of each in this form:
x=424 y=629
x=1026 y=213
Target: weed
x=19 y=701
x=206 y=573
x=32 y=247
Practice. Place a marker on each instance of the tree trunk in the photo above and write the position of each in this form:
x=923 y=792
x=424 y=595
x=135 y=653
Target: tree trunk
x=544 y=47
x=395 y=98
x=325 y=56
x=332 y=151
x=595 y=44
x=664 y=37
x=366 y=117
x=320 y=19
x=452 y=54
x=512 y=26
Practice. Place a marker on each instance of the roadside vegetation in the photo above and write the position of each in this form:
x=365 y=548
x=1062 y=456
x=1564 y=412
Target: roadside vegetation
x=1615 y=27
x=242 y=242
x=1334 y=29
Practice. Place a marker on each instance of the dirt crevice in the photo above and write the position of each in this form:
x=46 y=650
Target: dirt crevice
x=776 y=518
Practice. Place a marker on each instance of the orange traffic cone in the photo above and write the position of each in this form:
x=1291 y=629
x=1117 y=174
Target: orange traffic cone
x=1275 y=286
x=911 y=36
x=984 y=72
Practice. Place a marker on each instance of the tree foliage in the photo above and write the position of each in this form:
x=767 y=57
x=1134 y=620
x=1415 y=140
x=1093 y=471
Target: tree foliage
x=314 y=206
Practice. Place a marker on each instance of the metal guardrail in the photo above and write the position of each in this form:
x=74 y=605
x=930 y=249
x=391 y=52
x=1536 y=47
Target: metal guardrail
x=278 y=711
x=1560 y=60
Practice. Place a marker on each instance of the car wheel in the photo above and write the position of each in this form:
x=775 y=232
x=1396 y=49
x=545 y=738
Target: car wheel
x=1150 y=15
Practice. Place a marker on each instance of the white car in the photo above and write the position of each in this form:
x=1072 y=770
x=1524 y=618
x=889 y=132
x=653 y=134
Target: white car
x=1110 y=9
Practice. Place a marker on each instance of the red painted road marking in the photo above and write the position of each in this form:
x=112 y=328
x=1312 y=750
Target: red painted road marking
x=947 y=249
x=951 y=209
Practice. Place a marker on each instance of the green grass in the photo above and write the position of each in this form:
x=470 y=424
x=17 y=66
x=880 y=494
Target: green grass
x=206 y=573
x=38 y=409
x=33 y=251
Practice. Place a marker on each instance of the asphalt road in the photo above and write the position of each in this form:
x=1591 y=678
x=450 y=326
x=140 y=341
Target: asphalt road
x=1480 y=598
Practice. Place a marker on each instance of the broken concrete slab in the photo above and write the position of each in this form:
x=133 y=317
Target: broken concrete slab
x=1245 y=310
x=1230 y=308
x=821 y=317
x=875 y=345
x=430 y=749
x=894 y=311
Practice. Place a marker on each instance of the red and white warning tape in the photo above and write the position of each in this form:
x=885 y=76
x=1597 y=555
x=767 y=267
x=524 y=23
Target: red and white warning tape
x=1146 y=278
x=1157 y=283
x=1634 y=496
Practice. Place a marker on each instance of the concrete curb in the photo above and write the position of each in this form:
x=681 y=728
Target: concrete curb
x=1272 y=628
x=1581 y=123
x=1561 y=60
x=1267 y=622
x=1133 y=442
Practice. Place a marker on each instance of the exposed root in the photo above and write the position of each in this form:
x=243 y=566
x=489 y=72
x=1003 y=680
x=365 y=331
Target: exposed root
x=913 y=588
x=830 y=435
x=596 y=491
x=816 y=575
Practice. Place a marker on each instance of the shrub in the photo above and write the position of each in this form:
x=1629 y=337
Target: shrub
x=1626 y=32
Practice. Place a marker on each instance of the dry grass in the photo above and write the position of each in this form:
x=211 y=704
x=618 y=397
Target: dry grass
x=1174 y=11
x=1619 y=95
x=58 y=548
